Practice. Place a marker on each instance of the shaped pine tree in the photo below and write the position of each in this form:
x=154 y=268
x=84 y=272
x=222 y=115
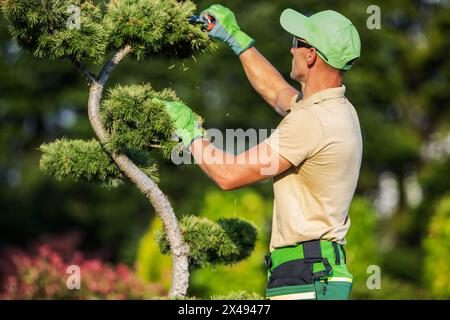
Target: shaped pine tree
x=131 y=122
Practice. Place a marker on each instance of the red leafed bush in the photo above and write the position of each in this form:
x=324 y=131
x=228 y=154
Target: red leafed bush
x=41 y=273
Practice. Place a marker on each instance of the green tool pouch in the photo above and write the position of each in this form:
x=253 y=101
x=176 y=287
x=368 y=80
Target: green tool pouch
x=295 y=279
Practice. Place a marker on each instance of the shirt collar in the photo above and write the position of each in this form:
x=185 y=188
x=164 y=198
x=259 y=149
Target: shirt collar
x=331 y=93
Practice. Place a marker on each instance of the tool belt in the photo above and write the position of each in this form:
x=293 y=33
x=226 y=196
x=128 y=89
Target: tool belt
x=296 y=273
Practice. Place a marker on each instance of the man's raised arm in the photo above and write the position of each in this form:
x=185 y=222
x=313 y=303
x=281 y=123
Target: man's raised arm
x=266 y=80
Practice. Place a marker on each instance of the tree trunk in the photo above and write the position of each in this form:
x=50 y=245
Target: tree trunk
x=179 y=249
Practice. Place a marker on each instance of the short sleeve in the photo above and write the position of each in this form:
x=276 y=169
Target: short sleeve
x=295 y=98
x=298 y=136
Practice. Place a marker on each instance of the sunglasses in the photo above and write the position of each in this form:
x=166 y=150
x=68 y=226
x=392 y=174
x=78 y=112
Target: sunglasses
x=297 y=43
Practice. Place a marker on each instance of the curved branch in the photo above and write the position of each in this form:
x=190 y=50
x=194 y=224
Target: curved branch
x=111 y=64
x=179 y=249
x=89 y=76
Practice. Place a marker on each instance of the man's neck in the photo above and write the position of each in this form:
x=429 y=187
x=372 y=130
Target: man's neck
x=318 y=81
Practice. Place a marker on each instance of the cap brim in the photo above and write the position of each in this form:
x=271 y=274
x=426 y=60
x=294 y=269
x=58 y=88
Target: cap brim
x=295 y=23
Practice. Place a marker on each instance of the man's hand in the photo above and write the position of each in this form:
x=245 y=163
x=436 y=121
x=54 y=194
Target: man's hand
x=227 y=30
x=186 y=124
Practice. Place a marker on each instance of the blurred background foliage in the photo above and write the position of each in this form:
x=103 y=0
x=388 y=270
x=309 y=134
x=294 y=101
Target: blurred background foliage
x=401 y=211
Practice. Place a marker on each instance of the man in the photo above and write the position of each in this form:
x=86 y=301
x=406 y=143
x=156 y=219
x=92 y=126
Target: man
x=316 y=150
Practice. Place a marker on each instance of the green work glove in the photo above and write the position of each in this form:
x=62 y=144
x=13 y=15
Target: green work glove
x=186 y=123
x=227 y=30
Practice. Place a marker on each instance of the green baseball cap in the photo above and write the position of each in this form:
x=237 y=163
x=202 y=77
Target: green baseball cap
x=333 y=35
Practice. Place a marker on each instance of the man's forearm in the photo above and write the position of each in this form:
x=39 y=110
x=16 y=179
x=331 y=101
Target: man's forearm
x=266 y=80
x=211 y=160
x=231 y=171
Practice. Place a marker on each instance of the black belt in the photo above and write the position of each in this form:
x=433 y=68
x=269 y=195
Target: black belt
x=312 y=252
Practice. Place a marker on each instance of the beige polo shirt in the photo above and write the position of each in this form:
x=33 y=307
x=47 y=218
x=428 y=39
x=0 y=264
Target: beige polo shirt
x=321 y=137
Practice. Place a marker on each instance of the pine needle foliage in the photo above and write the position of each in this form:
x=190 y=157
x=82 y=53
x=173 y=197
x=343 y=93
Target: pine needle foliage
x=87 y=161
x=226 y=242
x=155 y=27
x=135 y=117
x=242 y=234
x=151 y=27
x=41 y=27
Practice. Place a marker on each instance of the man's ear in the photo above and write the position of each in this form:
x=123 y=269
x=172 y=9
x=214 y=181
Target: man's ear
x=311 y=57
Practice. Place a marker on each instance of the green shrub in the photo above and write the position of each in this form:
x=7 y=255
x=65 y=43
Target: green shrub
x=362 y=243
x=226 y=242
x=41 y=27
x=437 y=251
x=250 y=274
x=216 y=280
x=155 y=27
x=87 y=161
x=135 y=118
x=361 y=247
x=150 y=26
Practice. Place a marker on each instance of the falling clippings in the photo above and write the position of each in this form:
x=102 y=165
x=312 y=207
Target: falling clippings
x=183 y=67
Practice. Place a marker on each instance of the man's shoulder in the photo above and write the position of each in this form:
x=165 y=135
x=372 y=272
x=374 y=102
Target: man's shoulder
x=302 y=118
x=302 y=112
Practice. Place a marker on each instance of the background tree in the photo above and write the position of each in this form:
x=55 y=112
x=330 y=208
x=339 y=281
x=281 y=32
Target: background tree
x=132 y=121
